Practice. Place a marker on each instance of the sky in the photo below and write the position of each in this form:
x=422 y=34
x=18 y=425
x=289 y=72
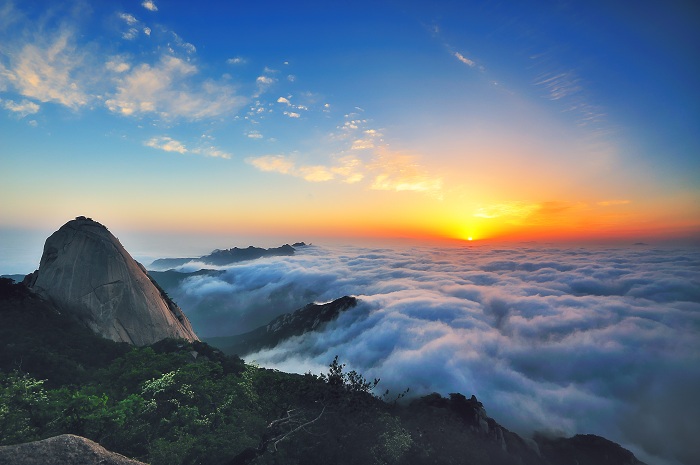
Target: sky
x=562 y=339
x=350 y=120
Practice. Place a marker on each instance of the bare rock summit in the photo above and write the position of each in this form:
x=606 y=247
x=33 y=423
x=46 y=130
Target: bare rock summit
x=86 y=272
x=66 y=449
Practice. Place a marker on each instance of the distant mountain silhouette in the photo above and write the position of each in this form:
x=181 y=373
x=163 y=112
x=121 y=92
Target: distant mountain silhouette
x=227 y=256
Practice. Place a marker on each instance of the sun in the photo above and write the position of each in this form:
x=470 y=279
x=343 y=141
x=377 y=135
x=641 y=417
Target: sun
x=470 y=238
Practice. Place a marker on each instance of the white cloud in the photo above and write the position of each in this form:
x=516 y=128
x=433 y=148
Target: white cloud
x=128 y=19
x=48 y=70
x=169 y=144
x=236 y=61
x=283 y=100
x=350 y=169
x=397 y=171
x=167 y=89
x=117 y=65
x=272 y=163
x=147 y=31
x=264 y=82
x=362 y=144
x=602 y=341
x=211 y=151
x=166 y=143
x=365 y=158
x=23 y=108
x=51 y=66
x=130 y=34
x=149 y=5
x=316 y=173
x=254 y=135
x=464 y=59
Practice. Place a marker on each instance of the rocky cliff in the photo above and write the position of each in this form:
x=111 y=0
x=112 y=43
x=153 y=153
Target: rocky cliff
x=86 y=272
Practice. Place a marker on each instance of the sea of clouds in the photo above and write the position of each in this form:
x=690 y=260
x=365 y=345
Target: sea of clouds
x=564 y=340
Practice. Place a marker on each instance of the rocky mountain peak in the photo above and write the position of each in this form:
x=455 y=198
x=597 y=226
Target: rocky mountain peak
x=86 y=272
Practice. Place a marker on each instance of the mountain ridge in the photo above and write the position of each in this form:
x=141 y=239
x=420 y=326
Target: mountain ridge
x=311 y=317
x=221 y=257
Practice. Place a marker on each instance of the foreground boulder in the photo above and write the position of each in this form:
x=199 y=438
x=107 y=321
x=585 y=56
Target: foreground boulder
x=87 y=273
x=66 y=449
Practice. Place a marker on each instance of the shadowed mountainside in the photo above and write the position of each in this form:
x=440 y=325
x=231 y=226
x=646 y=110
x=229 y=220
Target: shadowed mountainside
x=312 y=317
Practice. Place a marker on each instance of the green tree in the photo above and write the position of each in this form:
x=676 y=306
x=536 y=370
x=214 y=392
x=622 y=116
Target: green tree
x=23 y=407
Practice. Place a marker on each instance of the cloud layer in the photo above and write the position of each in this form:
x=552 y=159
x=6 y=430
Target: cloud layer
x=580 y=340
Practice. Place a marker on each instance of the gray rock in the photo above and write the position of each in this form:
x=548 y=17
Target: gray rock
x=86 y=272
x=66 y=449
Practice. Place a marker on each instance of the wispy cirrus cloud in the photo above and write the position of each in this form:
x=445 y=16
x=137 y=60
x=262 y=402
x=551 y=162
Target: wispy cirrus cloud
x=533 y=213
x=464 y=59
x=560 y=85
x=566 y=87
x=612 y=203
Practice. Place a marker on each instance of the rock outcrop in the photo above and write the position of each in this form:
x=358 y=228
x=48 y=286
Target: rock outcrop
x=87 y=273
x=66 y=449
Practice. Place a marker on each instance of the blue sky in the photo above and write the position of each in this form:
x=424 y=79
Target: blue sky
x=414 y=119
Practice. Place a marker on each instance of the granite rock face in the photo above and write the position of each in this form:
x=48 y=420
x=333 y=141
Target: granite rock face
x=66 y=449
x=86 y=272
